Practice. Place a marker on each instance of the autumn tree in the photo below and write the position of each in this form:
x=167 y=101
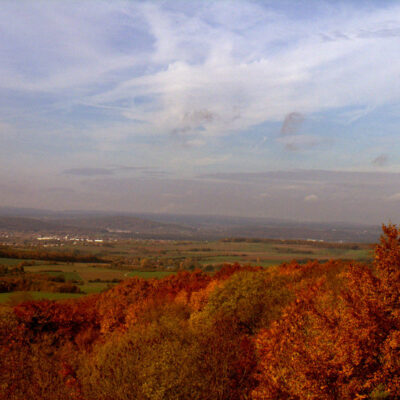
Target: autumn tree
x=338 y=344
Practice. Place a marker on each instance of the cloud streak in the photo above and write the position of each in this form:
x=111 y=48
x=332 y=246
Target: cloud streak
x=186 y=90
x=300 y=195
x=96 y=172
x=88 y=171
x=184 y=71
x=311 y=198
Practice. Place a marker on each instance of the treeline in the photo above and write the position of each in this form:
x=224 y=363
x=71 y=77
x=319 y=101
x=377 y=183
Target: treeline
x=319 y=331
x=16 y=282
x=313 y=243
x=157 y=263
x=13 y=279
x=7 y=270
x=40 y=254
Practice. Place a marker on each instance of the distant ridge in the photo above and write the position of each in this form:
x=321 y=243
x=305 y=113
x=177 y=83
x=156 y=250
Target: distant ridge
x=117 y=226
x=175 y=226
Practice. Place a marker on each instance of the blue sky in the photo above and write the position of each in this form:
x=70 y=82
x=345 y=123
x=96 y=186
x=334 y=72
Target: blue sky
x=150 y=106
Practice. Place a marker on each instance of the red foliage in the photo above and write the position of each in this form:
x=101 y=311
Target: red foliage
x=65 y=321
x=229 y=269
x=338 y=339
x=331 y=345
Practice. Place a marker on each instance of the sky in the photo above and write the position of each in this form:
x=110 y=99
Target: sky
x=280 y=109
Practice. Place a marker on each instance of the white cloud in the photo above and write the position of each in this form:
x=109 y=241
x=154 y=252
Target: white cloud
x=243 y=85
x=311 y=198
x=243 y=64
x=394 y=197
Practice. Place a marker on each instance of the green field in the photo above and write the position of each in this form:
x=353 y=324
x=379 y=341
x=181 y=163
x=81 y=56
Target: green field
x=263 y=253
x=67 y=275
x=94 y=287
x=82 y=271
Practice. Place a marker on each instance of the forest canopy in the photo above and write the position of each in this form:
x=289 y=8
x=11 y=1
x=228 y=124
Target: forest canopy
x=298 y=331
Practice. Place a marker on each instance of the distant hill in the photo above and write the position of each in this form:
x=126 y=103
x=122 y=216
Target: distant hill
x=26 y=224
x=120 y=226
x=125 y=224
x=170 y=226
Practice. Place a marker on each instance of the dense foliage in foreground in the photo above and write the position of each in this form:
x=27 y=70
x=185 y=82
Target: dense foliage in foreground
x=314 y=331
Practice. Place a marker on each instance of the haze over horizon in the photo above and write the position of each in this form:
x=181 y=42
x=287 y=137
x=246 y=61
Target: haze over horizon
x=247 y=108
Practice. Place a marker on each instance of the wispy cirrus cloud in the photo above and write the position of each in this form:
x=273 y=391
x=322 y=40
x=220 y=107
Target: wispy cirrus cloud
x=88 y=171
x=187 y=89
x=394 y=197
x=184 y=70
x=94 y=171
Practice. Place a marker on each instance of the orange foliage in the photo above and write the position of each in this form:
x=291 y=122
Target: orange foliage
x=338 y=345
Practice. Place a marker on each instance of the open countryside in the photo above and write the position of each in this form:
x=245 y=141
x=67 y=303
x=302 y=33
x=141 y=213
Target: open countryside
x=159 y=258
x=199 y=200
